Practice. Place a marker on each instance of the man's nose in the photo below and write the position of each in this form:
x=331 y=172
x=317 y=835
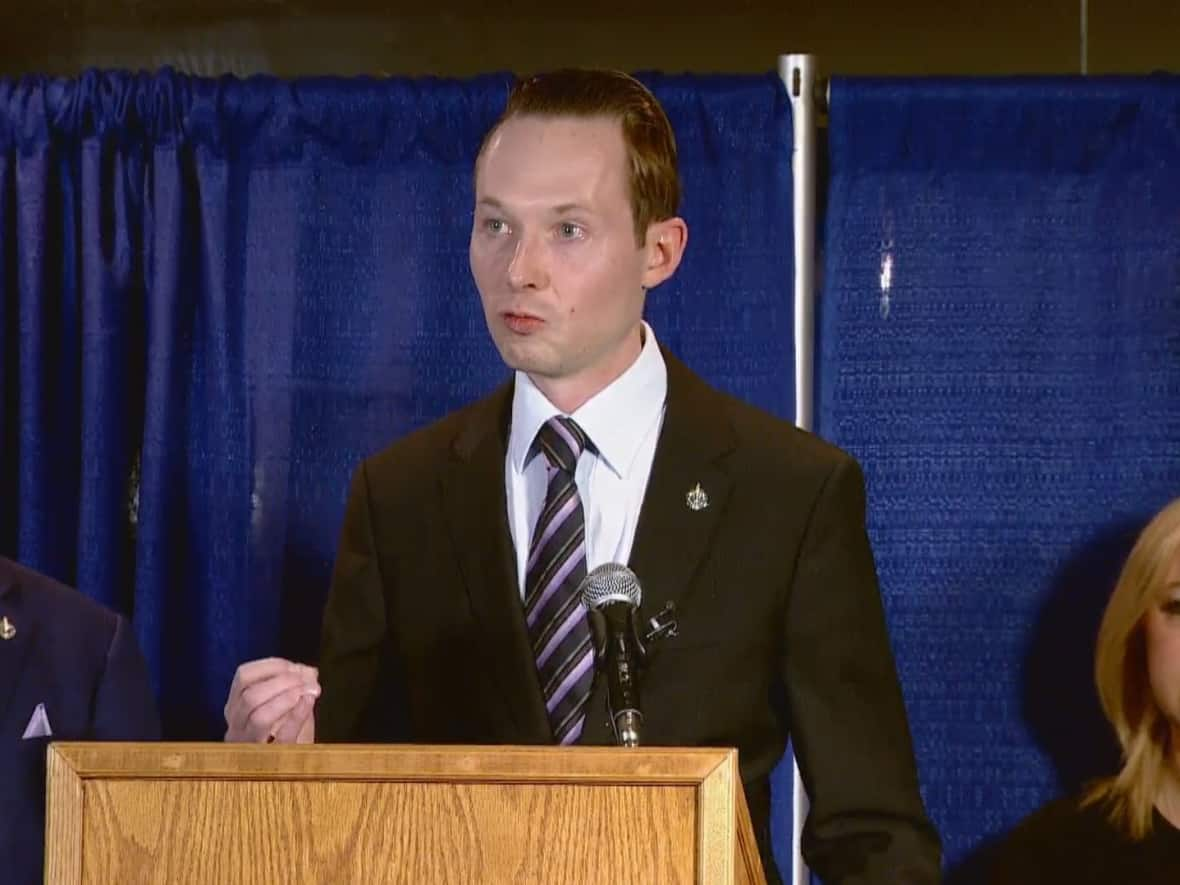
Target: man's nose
x=527 y=269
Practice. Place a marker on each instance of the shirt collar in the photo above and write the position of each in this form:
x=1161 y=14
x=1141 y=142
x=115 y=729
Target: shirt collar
x=616 y=419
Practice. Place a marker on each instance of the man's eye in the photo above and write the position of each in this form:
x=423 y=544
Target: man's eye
x=495 y=226
x=568 y=230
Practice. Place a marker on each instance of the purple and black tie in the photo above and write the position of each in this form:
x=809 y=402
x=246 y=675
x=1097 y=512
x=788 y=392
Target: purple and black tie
x=557 y=620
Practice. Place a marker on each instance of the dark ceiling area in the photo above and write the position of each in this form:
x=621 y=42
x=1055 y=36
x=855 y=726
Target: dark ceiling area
x=467 y=37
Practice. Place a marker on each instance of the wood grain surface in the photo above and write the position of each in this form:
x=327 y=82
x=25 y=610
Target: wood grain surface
x=225 y=813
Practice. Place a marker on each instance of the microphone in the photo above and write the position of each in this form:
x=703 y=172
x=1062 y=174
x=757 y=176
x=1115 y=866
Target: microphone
x=611 y=594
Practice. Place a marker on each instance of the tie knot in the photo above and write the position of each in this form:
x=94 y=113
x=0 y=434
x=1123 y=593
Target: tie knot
x=562 y=441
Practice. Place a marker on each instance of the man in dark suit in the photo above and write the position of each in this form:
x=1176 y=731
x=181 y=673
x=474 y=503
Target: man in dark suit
x=452 y=615
x=69 y=670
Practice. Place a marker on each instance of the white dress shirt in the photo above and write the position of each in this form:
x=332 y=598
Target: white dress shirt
x=623 y=423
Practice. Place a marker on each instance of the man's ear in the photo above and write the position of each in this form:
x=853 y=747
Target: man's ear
x=664 y=247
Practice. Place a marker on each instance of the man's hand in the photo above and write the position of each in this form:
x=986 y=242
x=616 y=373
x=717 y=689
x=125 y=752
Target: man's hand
x=271 y=700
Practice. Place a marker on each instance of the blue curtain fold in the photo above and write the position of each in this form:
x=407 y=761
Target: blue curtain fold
x=219 y=295
x=1000 y=345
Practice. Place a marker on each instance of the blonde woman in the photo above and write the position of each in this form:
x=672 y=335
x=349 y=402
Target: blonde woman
x=1125 y=829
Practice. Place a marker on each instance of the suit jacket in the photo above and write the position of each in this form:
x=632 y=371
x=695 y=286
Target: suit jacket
x=781 y=628
x=81 y=663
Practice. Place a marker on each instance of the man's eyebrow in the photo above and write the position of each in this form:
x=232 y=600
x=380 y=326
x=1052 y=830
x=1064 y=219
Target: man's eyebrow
x=559 y=209
x=563 y=208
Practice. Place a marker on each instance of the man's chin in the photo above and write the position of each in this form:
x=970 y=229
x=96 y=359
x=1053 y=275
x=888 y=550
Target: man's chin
x=534 y=368
x=520 y=356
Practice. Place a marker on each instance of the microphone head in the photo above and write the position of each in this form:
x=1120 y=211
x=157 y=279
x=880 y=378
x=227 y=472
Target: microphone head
x=608 y=583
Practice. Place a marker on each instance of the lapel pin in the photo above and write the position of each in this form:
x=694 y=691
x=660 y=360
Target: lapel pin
x=696 y=499
x=7 y=628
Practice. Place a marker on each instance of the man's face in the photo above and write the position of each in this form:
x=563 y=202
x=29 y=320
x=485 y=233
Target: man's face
x=554 y=254
x=1162 y=627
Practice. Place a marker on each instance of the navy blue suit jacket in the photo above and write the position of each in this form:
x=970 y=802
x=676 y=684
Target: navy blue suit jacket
x=82 y=663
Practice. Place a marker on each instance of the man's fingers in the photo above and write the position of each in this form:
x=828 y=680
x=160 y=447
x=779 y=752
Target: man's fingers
x=307 y=733
x=263 y=668
x=289 y=728
x=261 y=692
x=242 y=706
x=262 y=721
x=253 y=672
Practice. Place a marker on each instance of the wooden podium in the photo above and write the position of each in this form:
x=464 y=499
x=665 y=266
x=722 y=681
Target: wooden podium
x=236 y=813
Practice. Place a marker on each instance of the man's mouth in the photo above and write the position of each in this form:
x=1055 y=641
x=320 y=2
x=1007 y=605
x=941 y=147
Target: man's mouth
x=522 y=323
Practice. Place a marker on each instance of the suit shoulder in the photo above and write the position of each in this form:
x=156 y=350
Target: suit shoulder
x=59 y=606
x=775 y=439
x=43 y=593
x=420 y=452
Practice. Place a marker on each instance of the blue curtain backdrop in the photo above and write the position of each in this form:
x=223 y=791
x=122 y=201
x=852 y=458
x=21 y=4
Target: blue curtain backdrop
x=1000 y=346
x=219 y=295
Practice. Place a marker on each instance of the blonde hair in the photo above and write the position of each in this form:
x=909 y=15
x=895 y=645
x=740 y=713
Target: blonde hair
x=1124 y=688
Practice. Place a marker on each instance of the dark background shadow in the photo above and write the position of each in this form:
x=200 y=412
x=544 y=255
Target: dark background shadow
x=1059 y=703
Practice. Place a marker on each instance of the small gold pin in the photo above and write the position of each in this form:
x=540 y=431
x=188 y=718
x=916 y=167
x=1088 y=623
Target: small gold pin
x=7 y=628
x=696 y=499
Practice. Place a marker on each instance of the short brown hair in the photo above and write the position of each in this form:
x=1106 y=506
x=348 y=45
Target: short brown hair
x=653 y=180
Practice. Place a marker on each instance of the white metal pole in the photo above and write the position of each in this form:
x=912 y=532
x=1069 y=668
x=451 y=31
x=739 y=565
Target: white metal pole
x=798 y=73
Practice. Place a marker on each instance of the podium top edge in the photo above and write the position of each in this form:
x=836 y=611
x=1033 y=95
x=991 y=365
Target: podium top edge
x=393 y=762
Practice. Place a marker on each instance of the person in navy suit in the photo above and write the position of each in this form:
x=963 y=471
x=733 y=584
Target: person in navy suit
x=69 y=670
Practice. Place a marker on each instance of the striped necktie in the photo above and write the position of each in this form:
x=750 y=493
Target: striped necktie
x=557 y=620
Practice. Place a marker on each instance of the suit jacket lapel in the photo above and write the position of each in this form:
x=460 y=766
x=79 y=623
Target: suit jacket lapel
x=672 y=538
x=14 y=652
x=477 y=513
x=674 y=533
